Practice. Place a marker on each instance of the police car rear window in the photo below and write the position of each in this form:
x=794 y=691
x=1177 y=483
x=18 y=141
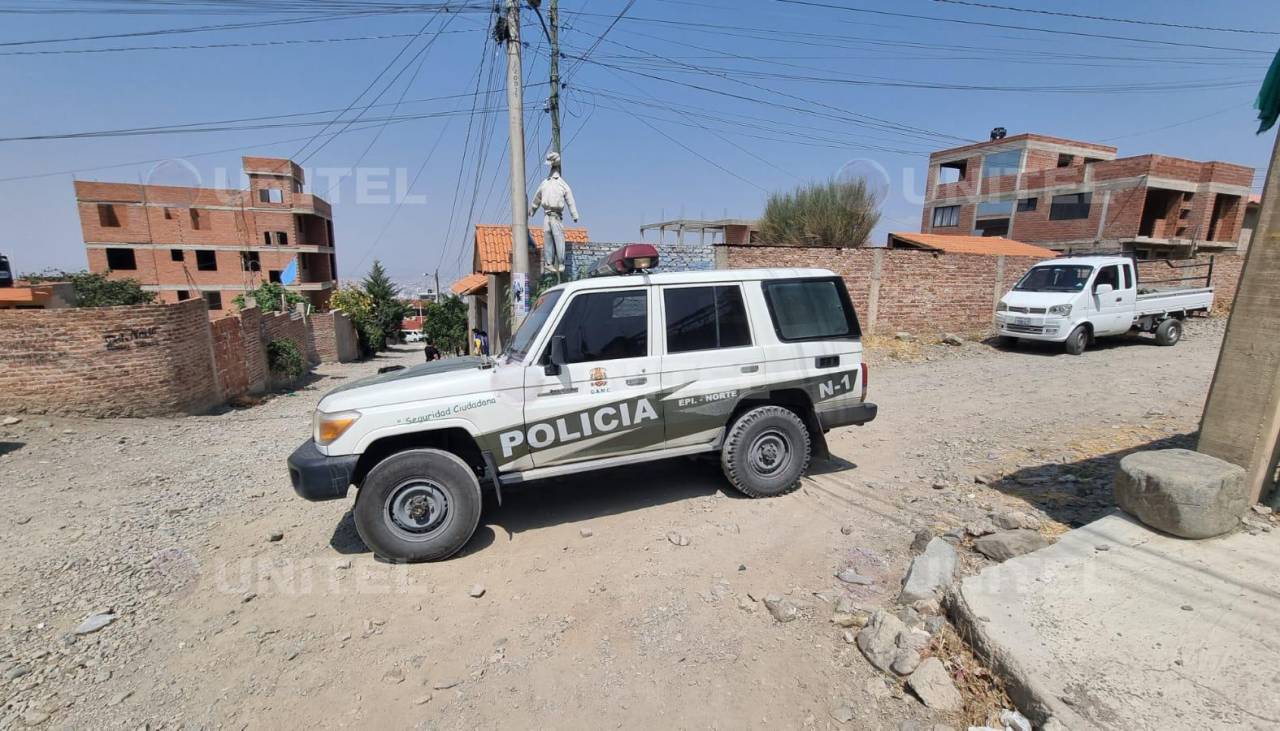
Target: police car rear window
x=811 y=309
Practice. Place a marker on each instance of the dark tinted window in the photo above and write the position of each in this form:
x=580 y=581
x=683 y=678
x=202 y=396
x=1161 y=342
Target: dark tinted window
x=175 y=254
x=1128 y=277
x=213 y=300
x=1070 y=206
x=207 y=261
x=811 y=309
x=118 y=259
x=606 y=326
x=1108 y=275
x=1027 y=204
x=703 y=318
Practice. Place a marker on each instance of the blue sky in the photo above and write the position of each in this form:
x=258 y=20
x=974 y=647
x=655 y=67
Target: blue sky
x=685 y=108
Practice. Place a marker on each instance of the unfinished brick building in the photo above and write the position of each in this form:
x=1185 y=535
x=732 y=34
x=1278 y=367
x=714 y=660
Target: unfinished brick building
x=183 y=242
x=1079 y=197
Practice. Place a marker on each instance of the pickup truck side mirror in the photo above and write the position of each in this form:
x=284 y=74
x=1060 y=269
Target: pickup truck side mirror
x=1102 y=289
x=558 y=357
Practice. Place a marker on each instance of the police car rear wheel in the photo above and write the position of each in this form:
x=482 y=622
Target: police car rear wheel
x=766 y=451
x=419 y=505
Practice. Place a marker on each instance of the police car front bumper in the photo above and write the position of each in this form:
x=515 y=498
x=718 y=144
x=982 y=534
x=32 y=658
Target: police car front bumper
x=317 y=476
x=856 y=414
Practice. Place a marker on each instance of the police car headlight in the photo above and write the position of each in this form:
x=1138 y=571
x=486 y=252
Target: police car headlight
x=1060 y=310
x=328 y=427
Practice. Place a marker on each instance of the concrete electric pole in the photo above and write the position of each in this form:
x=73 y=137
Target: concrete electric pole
x=519 y=202
x=553 y=101
x=1241 y=422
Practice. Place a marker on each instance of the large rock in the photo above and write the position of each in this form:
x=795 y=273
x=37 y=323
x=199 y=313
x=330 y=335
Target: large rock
x=1181 y=492
x=1006 y=544
x=930 y=572
x=933 y=686
x=879 y=639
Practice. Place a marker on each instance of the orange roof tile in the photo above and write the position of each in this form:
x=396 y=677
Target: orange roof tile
x=493 y=244
x=469 y=284
x=986 y=245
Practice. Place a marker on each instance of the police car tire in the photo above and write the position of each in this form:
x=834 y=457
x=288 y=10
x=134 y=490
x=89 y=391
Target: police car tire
x=450 y=474
x=736 y=461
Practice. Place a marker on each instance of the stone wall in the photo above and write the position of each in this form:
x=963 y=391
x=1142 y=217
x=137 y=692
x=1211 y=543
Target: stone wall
x=581 y=257
x=108 y=361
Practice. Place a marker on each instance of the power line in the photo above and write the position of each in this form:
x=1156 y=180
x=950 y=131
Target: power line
x=193 y=29
x=200 y=46
x=1005 y=26
x=1108 y=19
x=599 y=39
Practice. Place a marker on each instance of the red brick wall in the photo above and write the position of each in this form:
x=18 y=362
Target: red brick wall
x=229 y=357
x=110 y=361
x=1226 y=275
x=280 y=326
x=333 y=337
x=920 y=292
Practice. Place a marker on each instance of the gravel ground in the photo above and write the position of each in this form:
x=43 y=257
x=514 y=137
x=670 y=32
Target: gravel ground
x=239 y=605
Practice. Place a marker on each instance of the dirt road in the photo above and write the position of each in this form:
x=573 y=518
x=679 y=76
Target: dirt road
x=590 y=614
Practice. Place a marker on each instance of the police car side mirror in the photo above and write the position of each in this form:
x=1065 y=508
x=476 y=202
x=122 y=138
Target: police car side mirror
x=558 y=357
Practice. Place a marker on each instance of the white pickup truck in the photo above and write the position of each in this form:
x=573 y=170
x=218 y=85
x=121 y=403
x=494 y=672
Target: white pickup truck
x=1073 y=300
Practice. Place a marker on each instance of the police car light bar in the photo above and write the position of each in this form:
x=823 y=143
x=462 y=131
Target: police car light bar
x=627 y=260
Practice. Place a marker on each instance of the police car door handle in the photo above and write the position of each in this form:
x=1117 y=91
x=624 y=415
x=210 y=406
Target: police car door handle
x=750 y=368
x=639 y=381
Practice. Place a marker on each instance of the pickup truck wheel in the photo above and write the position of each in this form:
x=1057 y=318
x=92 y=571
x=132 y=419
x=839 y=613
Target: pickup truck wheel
x=1169 y=332
x=766 y=451
x=419 y=505
x=1077 y=341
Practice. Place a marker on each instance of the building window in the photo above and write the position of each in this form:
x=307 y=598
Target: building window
x=107 y=217
x=175 y=255
x=271 y=195
x=266 y=238
x=995 y=209
x=329 y=230
x=999 y=164
x=1070 y=206
x=953 y=172
x=249 y=261
x=206 y=260
x=168 y=214
x=1065 y=160
x=333 y=267
x=273 y=275
x=1027 y=204
x=282 y=238
x=121 y=260
x=946 y=216
x=198 y=221
x=276 y=238
x=705 y=318
x=213 y=300
x=183 y=295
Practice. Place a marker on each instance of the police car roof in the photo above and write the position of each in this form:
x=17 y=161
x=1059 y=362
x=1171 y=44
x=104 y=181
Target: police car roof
x=692 y=277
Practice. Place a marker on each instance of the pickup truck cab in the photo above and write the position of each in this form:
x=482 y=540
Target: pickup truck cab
x=618 y=370
x=1073 y=300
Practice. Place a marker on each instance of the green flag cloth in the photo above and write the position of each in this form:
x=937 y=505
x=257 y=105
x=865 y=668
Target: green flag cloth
x=1268 y=102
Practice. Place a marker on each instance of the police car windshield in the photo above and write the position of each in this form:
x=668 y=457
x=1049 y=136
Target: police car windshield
x=518 y=348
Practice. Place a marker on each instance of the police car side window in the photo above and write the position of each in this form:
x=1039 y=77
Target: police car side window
x=705 y=318
x=606 y=326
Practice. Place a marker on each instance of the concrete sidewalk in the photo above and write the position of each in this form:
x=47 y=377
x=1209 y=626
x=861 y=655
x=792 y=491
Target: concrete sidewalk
x=1117 y=626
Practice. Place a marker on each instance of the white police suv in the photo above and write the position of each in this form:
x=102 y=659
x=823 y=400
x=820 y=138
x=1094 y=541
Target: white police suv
x=756 y=364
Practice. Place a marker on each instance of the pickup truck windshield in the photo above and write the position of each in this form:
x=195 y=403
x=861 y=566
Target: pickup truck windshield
x=1055 y=278
x=518 y=348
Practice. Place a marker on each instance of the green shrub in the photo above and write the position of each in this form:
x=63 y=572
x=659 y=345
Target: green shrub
x=834 y=213
x=268 y=295
x=285 y=360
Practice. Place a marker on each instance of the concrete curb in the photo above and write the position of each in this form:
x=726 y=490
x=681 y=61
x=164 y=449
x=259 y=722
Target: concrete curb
x=1034 y=701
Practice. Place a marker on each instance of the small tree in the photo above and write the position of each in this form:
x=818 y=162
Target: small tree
x=353 y=300
x=388 y=310
x=446 y=324
x=834 y=213
x=269 y=295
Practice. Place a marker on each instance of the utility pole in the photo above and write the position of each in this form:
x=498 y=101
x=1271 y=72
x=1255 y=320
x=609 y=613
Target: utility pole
x=438 y=295
x=554 y=100
x=519 y=201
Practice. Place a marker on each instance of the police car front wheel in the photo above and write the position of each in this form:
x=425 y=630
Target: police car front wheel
x=418 y=505
x=766 y=451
